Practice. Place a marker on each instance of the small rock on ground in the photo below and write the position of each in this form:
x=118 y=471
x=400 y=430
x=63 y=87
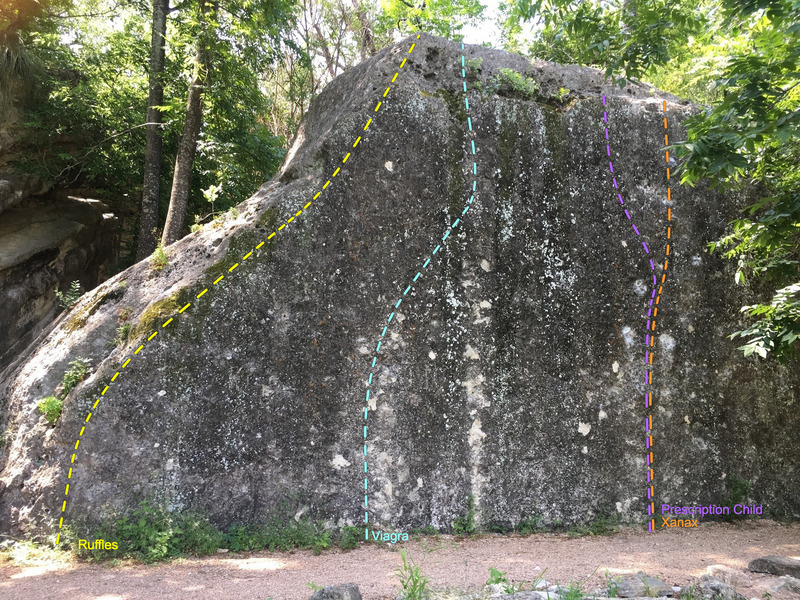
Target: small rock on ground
x=712 y=587
x=637 y=586
x=348 y=591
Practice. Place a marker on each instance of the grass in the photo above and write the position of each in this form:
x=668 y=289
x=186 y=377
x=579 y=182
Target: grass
x=412 y=582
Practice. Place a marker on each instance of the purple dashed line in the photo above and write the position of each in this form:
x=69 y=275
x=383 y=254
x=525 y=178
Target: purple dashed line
x=649 y=312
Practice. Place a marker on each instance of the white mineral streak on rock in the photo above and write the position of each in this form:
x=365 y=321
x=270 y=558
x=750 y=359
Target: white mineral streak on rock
x=339 y=461
x=471 y=353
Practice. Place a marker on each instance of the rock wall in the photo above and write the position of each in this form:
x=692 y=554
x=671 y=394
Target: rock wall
x=512 y=372
x=44 y=246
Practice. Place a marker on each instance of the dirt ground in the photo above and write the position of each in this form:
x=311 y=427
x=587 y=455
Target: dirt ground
x=674 y=556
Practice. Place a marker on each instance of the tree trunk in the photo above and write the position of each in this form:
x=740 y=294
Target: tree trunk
x=148 y=218
x=367 y=37
x=184 y=161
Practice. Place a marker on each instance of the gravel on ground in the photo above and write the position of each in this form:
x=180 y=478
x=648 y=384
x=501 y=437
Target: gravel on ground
x=674 y=556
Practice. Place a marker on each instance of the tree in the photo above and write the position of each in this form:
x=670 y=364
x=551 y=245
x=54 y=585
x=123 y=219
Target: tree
x=234 y=38
x=187 y=147
x=148 y=217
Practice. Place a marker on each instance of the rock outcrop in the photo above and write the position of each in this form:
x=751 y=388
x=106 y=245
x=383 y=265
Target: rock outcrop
x=512 y=373
x=44 y=246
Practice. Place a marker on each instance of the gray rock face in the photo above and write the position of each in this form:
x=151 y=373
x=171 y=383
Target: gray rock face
x=728 y=575
x=512 y=371
x=348 y=591
x=710 y=587
x=643 y=585
x=775 y=565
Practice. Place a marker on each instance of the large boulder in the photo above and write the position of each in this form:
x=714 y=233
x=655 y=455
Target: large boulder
x=512 y=373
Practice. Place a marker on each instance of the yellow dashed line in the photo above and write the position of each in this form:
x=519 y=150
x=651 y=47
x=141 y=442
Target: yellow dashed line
x=216 y=281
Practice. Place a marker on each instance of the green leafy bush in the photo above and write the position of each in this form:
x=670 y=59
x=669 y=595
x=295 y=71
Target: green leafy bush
x=76 y=372
x=159 y=258
x=466 y=524
x=50 y=407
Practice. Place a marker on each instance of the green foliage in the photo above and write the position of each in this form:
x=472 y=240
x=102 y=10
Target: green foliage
x=123 y=333
x=50 y=407
x=573 y=592
x=500 y=577
x=314 y=586
x=529 y=525
x=412 y=582
x=444 y=18
x=466 y=524
x=349 y=537
x=281 y=533
x=68 y=299
x=76 y=372
x=159 y=258
x=612 y=585
x=739 y=488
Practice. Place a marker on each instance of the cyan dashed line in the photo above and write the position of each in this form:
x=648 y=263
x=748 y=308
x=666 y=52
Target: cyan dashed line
x=450 y=229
